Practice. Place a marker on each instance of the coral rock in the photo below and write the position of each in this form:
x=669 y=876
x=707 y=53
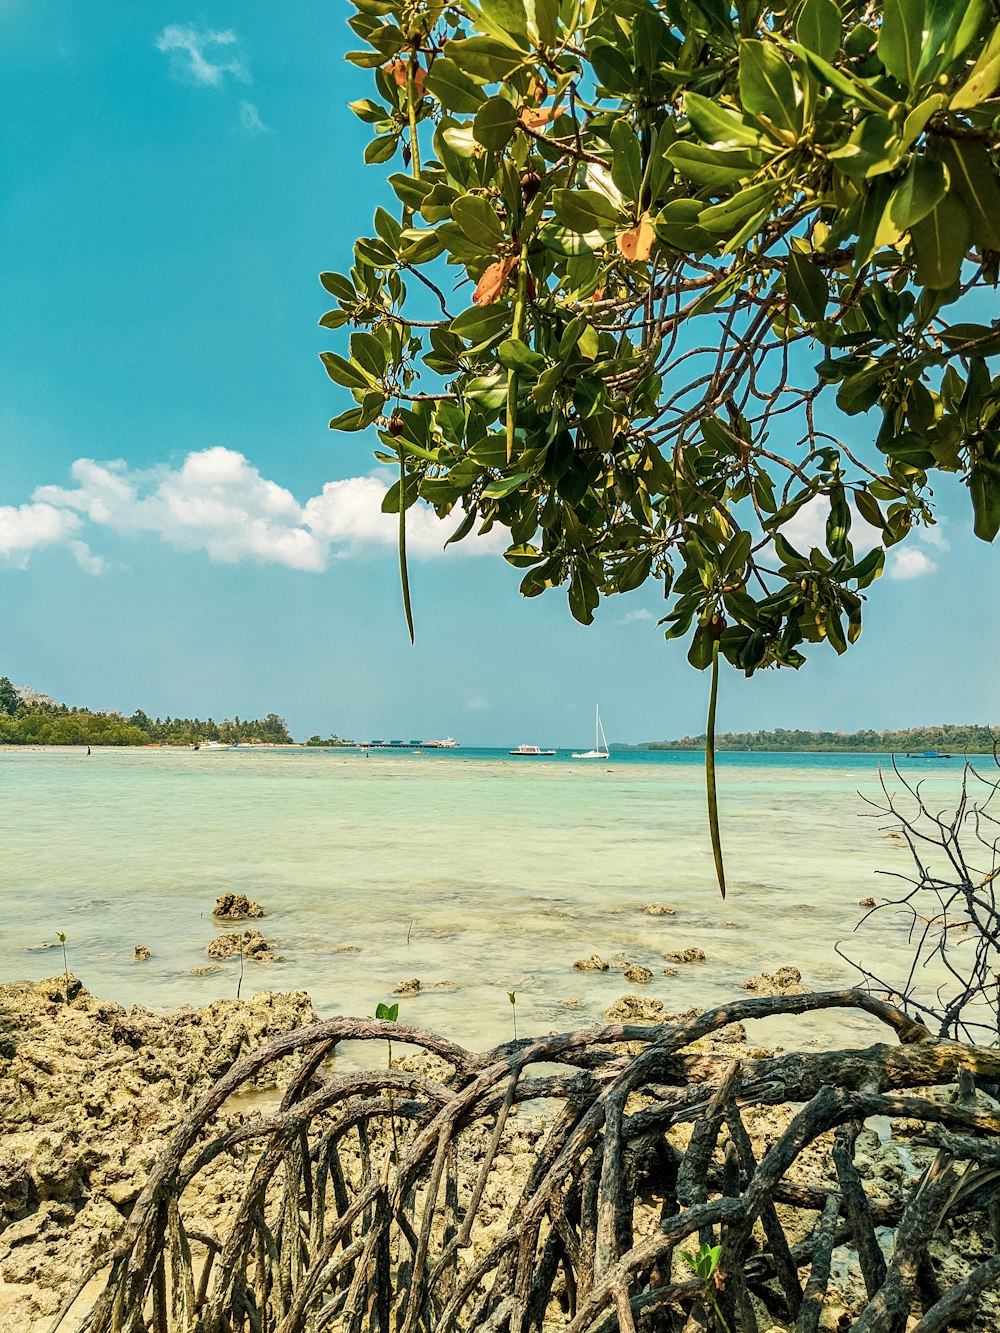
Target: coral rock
x=592 y=964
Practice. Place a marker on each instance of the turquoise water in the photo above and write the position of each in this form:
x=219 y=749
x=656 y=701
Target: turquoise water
x=466 y=867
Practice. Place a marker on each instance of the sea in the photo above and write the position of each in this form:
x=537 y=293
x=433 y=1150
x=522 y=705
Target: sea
x=478 y=874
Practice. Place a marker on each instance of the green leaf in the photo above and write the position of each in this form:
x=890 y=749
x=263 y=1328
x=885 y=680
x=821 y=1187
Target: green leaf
x=487 y=58
x=734 y=557
x=453 y=88
x=381 y=149
x=919 y=192
x=584 y=211
x=900 y=39
x=517 y=355
x=339 y=286
x=974 y=178
x=718 y=125
x=767 y=87
x=388 y=1013
x=716 y=167
x=368 y=354
x=820 y=27
x=854 y=89
x=984 y=77
x=626 y=160
x=940 y=242
x=481 y=325
x=807 y=286
x=873 y=149
x=727 y=217
x=479 y=221
x=495 y=123
x=351 y=420
x=496 y=490
x=344 y=373
x=984 y=487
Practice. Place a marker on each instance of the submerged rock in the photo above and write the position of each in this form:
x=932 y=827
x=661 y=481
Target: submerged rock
x=236 y=907
x=141 y=953
x=690 y=955
x=635 y=1009
x=658 y=909
x=251 y=944
x=411 y=987
x=637 y=973
x=592 y=964
x=866 y=902
x=786 y=981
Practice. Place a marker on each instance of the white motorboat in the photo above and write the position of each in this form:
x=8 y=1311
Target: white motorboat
x=600 y=740
x=531 y=752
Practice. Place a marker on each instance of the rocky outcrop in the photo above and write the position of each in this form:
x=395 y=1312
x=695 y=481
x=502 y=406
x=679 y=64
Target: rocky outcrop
x=250 y=944
x=786 y=981
x=690 y=955
x=411 y=987
x=89 y=1093
x=236 y=907
x=592 y=964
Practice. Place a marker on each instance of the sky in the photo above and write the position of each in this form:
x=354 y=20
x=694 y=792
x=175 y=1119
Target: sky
x=180 y=531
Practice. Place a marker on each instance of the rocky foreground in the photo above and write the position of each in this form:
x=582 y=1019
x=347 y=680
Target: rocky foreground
x=89 y=1093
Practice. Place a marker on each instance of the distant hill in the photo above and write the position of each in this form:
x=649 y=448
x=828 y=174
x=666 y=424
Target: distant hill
x=30 y=718
x=950 y=738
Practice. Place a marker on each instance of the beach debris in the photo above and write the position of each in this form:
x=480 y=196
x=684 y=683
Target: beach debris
x=635 y=972
x=411 y=987
x=689 y=955
x=658 y=909
x=866 y=902
x=236 y=907
x=141 y=953
x=595 y=963
x=206 y=970
x=635 y=1009
x=250 y=944
x=670 y=972
x=786 y=981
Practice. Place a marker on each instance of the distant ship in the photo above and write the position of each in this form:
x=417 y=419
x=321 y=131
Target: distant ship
x=531 y=752
x=449 y=743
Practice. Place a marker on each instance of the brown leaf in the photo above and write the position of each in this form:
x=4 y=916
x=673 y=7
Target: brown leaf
x=397 y=68
x=533 y=119
x=493 y=281
x=637 y=243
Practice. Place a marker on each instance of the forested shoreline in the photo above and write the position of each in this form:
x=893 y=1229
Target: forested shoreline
x=42 y=721
x=951 y=738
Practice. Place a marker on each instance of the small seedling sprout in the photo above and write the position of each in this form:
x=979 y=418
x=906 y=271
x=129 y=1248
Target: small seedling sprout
x=62 y=940
x=512 y=996
x=703 y=1265
x=389 y=1013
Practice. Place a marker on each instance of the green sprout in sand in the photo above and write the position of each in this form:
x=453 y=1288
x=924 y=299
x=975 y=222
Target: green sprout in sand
x=512 y=996
x=62 y=940
x=389 y=1013
x=703 y=1265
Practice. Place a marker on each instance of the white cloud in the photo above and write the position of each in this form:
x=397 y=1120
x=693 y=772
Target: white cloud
x=197 y=54
x=217 y=502
x=25 y=527
x=250 y=120
x=632 y=617
x=909 y=562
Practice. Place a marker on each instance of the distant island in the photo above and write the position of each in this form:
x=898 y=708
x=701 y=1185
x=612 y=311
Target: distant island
x=948 y=738
x=29 y=718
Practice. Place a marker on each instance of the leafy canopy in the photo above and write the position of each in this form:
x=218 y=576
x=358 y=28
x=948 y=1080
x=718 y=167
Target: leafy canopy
x=640 y=249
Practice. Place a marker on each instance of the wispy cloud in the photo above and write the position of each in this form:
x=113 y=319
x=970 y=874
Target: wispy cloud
x=910 y=562
x=250 y=121
x=206 y=57
x=633 y=617
x=218 y=503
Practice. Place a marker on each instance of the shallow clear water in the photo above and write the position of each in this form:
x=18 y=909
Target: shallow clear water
x=467 y=867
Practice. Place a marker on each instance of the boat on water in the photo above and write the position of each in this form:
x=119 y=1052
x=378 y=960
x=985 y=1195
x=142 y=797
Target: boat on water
x=531 y=752
x=600 y=750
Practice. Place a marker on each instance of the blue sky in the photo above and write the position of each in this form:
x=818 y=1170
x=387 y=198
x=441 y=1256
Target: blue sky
x=178 y=528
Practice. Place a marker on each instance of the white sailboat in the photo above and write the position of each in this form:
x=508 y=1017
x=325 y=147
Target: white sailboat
x=599 y=740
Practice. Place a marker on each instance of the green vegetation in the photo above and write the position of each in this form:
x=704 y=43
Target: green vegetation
x=645 y=257
x=42 y=722
x=948 y=738
x=333 y=741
